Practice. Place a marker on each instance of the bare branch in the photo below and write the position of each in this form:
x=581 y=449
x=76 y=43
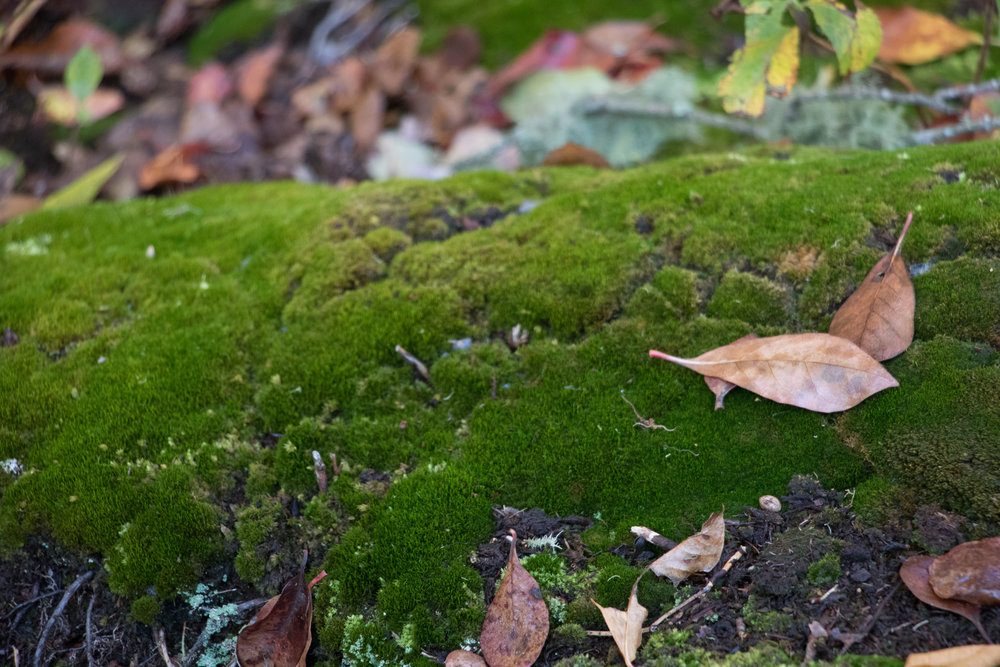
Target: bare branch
x=936 y=134
x=60 y=608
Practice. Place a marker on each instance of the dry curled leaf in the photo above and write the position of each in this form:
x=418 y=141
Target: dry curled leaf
x=255 y=71
x=281 y=632
x=174 y=165
x=395 y=59
x=878 y=316
x=626 y=626
x=915 y=573
x=460 y=658
x=814 y=371
x=970 y=573
x=53 y=53
x=698 y=553
x=914 y=37
x=517 y=621
x=976 y=655
x=570 y=154
x=719 y=386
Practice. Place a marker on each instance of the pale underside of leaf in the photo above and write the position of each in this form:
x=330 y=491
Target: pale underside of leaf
x=626 y=626
x=878 y=316
x=915 y=573
x=698 y=553
x=975 y=655
x=815 y=371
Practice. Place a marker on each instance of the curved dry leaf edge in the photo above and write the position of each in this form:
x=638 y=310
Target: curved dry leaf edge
x=915 y=573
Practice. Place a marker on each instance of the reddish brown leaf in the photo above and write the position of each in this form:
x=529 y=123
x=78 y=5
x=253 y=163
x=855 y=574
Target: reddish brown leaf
x=970 y=573
x=461 y=48
x=626 y=626
x=14 y=205
x=174 y=165
x=976 y=655
x=698 y=553
x=254 y=73
x=395 y=59
x=57 y=105
x=915 y=573
x=53 y=53
x=913 y=37
x=461 y=658
x=209 y=84
x=281 y=632
x=571 y=154
x=719 y=386
x=517 y=621
x=814 y=371
x=878 y=316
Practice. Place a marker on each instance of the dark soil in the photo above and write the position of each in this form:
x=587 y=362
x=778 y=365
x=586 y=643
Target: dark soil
x=766 y=596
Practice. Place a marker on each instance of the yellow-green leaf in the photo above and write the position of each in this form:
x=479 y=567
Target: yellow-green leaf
x=783 y=71
x=839 y=26
x=743 y=86
x=84 y=189
x=864 y=48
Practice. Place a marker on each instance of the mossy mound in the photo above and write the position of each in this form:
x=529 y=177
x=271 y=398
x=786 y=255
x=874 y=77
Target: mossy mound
x=181 y=360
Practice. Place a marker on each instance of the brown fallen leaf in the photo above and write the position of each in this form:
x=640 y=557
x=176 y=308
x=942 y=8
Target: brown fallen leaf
x=976 y=655
x=52 y=54
x=719 y=386
x=15 y=205
x=517 y=621
x=367 y=117
x=814 y=371
x=57 y=105
x=174 y=165
x=395 y=59
x=698 y=553
x=878 y=316
x=626 y=626
x=460 y=658
x=569 y=155
x=914 y=37
x=915 y=573
x=254 y=72
x=970 y=573
x=209 y=84
x=281 y=632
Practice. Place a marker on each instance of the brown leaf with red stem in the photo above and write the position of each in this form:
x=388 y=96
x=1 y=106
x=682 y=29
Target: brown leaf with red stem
x=281 y=632
x=915 y=573
x=814 y=371
x=719 y=386
x=517 y=621
x=970 y=573
x=878 y=316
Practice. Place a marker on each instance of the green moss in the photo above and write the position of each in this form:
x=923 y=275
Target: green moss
x=387 y=242
x=759 y=620
x=145 y=609
x=254 y=526
x=960 y=299
x=752 y=299
x=680 y=287
x=824 y=572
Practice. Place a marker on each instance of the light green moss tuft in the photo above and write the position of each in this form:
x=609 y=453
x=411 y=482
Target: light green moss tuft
x=752 y=299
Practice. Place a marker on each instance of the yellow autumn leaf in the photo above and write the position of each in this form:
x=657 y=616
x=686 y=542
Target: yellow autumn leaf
x=783 y=70
x=866 y=42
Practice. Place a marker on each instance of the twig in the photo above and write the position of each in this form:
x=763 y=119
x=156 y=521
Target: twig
x=816 y=631
x=989 y=7
x=60 y=608
x=654 y=537
x=708 y=587
x=28 y=602
x=968 y=89
x=884 y=94
x=866 y=628
x=613 y=106
x=90 y=634
x=320 y=469
x=159 y=637
x=416 y=363
x=936 y=134
x=643 y=422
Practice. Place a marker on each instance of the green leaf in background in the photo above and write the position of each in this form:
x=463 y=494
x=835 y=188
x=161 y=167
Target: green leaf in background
x=84 y=189
x=855 y=39
x=83 y=74
x=743 y=87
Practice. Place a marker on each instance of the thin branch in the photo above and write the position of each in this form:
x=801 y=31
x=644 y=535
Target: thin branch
x=968 y=89
x=725 y=568
x=208 y=630
x=60 y=608
x=90 y=633
x=936 y=134
x=612 y=106
x=883 y=94
x=33 y=600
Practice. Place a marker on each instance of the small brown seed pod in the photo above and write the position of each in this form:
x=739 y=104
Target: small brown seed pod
x=770 y=503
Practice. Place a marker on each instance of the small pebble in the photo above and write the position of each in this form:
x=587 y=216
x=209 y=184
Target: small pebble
x=770 y=503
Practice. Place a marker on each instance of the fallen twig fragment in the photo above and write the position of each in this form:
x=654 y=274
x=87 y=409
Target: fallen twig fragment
x=708 y=587
x=320 y=468
x=416 y=363
x=654 y=537
x=60 y=608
